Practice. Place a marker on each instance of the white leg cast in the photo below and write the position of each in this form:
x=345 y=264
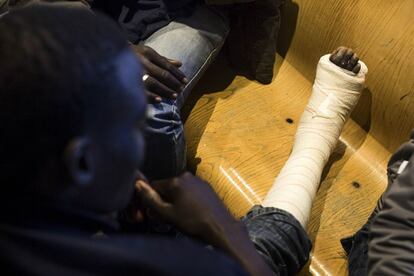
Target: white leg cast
x=335 y=93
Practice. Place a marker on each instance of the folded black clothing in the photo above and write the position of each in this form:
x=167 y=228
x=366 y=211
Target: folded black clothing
x=141 y=18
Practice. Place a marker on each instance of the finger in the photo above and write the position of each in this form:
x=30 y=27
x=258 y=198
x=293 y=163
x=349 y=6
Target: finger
x=140 y=176
x=155 y=87
x=176 y=63
x=169 y=189
x=166 y=64
x=164 y=188
x=150 y=198
x=139 y=216
x=153 y=98
x=163 y=76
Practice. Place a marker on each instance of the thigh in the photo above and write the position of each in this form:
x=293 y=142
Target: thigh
x=194 y=40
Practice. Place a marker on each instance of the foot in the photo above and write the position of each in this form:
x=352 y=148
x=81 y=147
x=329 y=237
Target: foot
x=346 y=58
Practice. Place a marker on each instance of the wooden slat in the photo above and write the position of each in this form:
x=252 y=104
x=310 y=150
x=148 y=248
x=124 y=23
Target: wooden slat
x=239 y=138
x=382 y=33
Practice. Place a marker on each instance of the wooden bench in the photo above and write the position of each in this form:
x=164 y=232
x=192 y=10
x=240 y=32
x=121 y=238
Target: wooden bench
x=240 y=133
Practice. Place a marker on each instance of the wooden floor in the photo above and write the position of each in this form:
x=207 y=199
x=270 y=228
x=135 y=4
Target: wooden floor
x=239 y=138
x=240 y=133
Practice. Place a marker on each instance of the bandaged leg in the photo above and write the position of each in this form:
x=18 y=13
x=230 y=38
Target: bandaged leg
x=335 y=93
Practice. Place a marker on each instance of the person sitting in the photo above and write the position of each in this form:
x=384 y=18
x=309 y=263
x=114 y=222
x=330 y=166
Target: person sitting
x=176 y=42
x=73 y=115
x=73 y=118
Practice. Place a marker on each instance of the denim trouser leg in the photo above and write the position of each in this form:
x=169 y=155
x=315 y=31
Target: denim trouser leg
x=279 y=238
x=195 y=41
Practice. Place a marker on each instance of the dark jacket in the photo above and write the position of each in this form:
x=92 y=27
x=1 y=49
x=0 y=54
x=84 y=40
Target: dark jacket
x=36 y=239
x=252 y=41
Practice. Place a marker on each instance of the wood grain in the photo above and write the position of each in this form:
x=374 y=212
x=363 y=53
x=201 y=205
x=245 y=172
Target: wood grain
x=239 y=137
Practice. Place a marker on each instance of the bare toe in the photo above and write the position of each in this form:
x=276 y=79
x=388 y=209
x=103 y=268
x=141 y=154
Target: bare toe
x=346 y=58
x=357 y=68
x=352 y=62
x=336 y=58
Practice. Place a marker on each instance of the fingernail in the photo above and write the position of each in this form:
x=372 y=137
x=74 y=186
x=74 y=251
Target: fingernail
x=175 y=95
x=158 y=99
x=185 y=80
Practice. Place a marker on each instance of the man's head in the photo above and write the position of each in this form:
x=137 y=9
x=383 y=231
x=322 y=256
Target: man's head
x=71 y=108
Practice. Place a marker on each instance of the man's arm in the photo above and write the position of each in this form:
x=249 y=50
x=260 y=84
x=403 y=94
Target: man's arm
x=190 y=204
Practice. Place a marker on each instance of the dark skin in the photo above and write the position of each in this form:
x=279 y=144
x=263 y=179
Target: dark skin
x=103 y=161
x=190 y=204
x=164 y=80
x=346 y=58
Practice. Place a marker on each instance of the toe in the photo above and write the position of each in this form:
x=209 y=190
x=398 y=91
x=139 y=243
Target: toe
x=339 y=56
x=346 y=58
x=357 y=68
x=349 y=54
x=352 y=62
x=333 y=55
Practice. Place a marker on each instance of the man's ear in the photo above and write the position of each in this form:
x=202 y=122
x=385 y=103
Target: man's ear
x=79 y=161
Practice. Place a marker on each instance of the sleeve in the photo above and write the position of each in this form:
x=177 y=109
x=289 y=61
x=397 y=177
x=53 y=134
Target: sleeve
x=42 y=252
x=391 y=248
x=279 y=238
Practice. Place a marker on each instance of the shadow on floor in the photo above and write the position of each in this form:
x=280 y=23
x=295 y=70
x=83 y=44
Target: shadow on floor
x=362 y=112
x=216 y=79
x=220 y=75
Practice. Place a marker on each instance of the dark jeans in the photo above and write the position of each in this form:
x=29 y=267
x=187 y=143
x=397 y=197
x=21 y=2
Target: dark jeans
x=195 y=41
x=279 y=238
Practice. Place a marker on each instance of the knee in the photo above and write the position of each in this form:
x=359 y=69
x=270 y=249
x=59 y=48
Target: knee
x=164 y=119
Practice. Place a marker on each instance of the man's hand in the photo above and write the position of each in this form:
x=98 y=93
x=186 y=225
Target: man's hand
x=162 y=77
x=191 y=204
